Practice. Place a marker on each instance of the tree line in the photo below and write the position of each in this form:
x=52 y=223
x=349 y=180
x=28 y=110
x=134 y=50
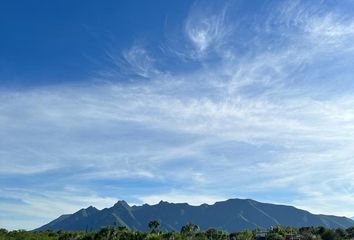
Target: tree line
x=189 y=231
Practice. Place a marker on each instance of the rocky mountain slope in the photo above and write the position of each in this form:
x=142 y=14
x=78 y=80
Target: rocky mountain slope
x=230 y=215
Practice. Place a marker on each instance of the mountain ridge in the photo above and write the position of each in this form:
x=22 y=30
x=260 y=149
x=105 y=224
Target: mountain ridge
x=230 y=215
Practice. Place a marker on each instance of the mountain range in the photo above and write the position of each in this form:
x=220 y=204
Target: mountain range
x=230 y=215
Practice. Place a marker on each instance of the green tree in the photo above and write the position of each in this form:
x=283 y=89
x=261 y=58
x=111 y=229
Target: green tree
x=105 y=233
x=190 y=228
x=211 y=233
x=275 y=236
x=245 y=235
x=154 y=226
x=350 y=232
x=341 y=233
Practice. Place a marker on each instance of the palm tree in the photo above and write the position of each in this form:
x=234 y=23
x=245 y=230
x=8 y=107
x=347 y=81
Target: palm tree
x=154 y=225
x=189 y=230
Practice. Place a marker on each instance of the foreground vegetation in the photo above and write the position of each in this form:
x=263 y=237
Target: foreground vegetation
x=188 y=232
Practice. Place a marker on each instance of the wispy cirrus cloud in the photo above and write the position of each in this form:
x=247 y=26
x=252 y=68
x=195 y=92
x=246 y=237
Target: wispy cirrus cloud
x=207 y=28
x=32 y=207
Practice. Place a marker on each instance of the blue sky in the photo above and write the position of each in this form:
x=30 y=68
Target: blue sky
x=185 y=101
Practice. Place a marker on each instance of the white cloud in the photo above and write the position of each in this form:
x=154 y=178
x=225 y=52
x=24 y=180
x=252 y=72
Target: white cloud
x=132 y=63
x=40 y=207
x=207 y=29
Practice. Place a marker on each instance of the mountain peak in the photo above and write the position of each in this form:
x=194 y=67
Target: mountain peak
x=91 y=210
x=122 y=203
x=87 y=211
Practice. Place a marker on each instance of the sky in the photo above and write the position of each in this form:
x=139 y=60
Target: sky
x=182 y=101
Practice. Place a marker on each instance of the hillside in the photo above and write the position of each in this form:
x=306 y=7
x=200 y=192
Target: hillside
x=230 y=215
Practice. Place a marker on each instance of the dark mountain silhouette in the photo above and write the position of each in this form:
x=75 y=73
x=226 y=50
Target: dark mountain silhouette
x=230 y=215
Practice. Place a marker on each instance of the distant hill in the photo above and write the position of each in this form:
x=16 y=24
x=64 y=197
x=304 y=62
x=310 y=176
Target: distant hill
x=230 y=215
